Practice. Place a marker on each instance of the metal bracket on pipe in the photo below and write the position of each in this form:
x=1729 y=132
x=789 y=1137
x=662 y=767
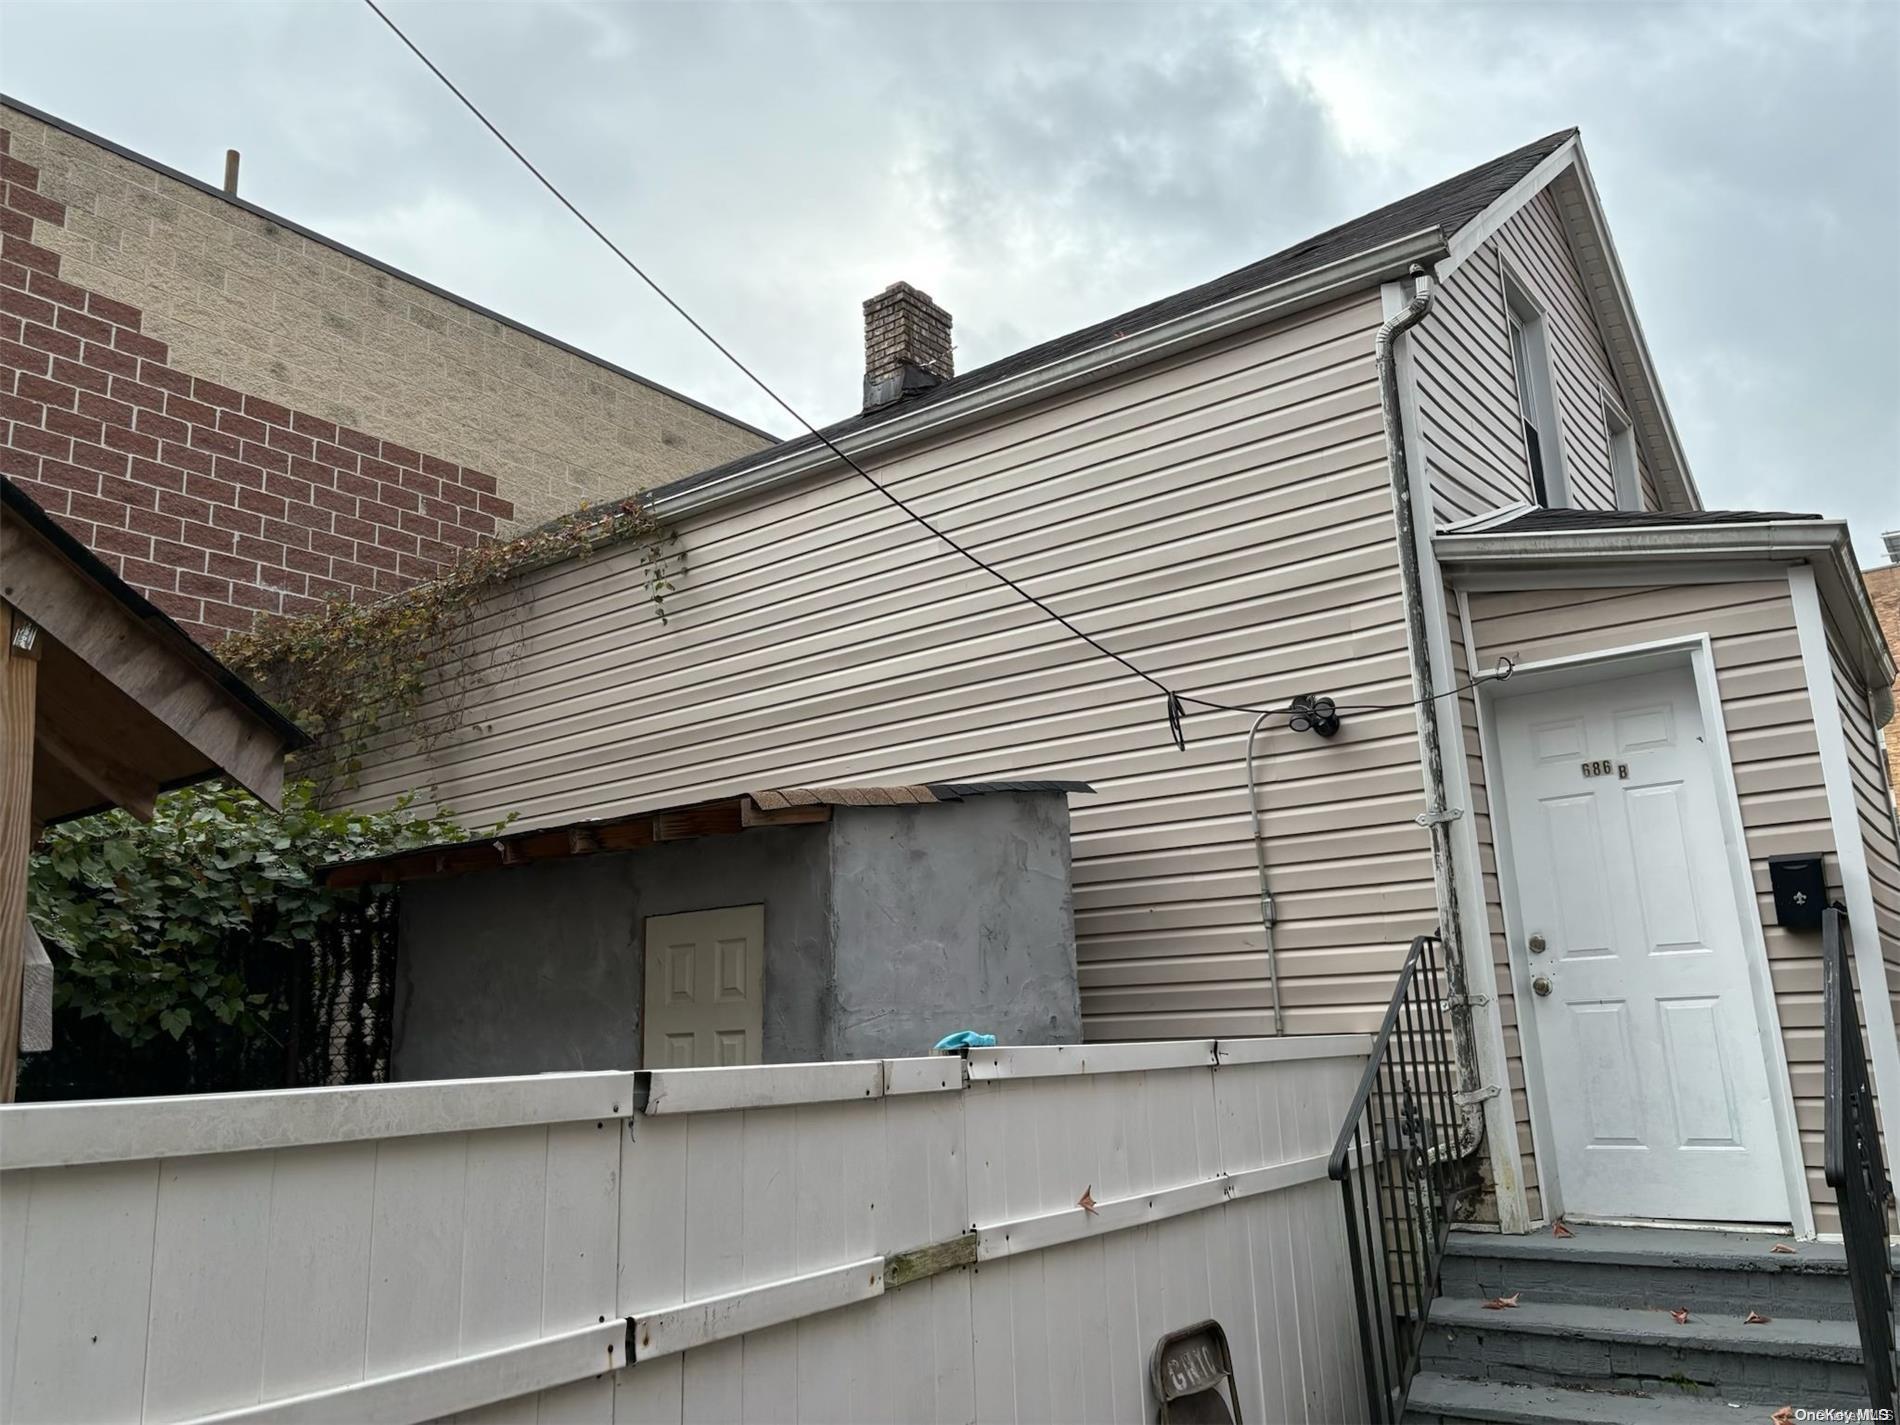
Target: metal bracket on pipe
x=1450 y=1002
x=1471 y=1096
x=1438 y=816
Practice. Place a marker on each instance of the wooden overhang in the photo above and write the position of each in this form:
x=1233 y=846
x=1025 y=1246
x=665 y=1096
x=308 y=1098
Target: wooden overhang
x=632 y=831
x=127 y=704
x=104 y=702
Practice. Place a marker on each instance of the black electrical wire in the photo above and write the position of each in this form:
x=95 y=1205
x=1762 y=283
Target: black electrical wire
x=1176 y=709
x=1505 y=667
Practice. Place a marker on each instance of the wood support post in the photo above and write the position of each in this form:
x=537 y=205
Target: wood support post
x=19 y=688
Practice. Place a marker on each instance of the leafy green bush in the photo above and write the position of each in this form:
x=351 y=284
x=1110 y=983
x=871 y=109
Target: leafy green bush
x=176 y=942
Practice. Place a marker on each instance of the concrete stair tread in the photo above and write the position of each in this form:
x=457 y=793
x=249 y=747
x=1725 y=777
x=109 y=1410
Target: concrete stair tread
x=1458 y=1399
x=1814 y=1340
x=1656 y=1247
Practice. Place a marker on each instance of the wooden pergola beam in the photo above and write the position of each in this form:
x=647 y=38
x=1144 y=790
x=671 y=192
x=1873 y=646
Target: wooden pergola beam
x=99 y=630
x=19 y=698
x=112 y=779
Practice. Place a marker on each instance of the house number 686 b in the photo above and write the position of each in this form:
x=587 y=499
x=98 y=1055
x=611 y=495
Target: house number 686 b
x=1605 y=769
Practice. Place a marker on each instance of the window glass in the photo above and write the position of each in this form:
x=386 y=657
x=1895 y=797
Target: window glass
x=1629 y=485
x=1524 y=353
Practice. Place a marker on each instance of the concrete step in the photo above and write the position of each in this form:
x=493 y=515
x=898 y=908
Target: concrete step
x=1711 y=1273
x=1632 y=1350
x=1447 y=1400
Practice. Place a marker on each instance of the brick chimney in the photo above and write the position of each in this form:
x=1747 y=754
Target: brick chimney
x=906 y=345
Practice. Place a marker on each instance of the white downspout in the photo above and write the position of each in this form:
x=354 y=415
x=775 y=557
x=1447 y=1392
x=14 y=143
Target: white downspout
x=1437 y=817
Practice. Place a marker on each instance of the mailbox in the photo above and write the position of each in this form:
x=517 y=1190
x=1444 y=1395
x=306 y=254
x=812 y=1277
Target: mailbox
x=1800 y=889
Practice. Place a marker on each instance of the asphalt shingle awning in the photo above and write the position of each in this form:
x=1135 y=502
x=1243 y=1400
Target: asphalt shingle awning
x=1558 y=521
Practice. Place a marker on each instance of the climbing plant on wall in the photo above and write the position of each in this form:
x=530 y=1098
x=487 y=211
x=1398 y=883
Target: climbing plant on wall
x=351 y=672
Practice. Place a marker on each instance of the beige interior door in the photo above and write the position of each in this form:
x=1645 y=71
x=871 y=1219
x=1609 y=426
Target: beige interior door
x=705 y=976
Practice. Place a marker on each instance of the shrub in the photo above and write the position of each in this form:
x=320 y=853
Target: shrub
x=177 y=943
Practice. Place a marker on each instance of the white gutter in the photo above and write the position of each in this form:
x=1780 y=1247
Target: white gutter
x=1307 y=289
x=1824 y=544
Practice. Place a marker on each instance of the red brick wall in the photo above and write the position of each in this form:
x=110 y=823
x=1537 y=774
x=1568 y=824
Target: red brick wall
x=1883 y=587
x=214 y=504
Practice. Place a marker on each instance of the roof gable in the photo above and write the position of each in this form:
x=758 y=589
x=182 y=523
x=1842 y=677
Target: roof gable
x=1565 y=171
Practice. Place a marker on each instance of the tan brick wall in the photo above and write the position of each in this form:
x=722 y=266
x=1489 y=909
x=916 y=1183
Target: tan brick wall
x=218 y=505
x=1883 y=587
x=250 y=304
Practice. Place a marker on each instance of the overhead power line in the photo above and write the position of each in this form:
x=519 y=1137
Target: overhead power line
x=1176 y=702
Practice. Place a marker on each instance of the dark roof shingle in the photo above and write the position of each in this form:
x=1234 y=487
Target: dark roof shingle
x=1557 y=521
x=1447 y=206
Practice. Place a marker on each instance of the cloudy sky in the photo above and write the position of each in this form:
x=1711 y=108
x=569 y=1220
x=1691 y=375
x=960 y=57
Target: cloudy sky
x=1039 y=167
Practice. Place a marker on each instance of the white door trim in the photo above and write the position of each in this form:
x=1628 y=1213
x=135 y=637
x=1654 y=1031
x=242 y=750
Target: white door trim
x=1697 y=651
x=1549 y=1190
x=1474 y=921
x=1850 y=852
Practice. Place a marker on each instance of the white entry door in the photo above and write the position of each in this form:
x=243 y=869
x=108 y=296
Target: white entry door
x=705 y=977
x=1650 y=1043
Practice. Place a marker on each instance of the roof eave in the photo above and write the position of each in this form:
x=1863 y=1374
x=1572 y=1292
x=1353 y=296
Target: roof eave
x=1365 y=270
x=147 y=614
x=1626 y=309
x=1823 y=544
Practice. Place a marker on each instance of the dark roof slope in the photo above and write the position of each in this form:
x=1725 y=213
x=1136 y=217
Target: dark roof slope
x=13 y=498
x=1556 y=521
x=1447 y=206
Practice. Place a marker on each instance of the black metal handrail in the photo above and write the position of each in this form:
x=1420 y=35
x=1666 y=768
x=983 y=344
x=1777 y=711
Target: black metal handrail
x=1395 y=1163
x=1856 y=1167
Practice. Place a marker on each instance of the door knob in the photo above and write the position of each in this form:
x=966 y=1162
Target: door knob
x=1538 y=944
x=1540 y=984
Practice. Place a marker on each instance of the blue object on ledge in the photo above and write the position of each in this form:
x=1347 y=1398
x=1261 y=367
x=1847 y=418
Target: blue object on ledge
x=964 y=1039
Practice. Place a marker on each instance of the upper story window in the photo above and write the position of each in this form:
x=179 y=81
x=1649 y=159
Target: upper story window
x=1530 y=360
x=1623 y=470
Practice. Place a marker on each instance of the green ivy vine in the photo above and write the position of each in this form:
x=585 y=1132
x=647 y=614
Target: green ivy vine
x=173 y=940
x=349 y=672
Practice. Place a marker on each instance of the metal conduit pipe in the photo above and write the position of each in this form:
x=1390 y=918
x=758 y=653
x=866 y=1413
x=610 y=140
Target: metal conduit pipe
x=1437 y=818
x=1260 y=864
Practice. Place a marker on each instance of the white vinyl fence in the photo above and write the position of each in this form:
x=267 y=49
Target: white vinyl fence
x=878 y=1240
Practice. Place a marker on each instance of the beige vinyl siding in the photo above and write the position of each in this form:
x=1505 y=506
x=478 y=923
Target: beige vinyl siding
x=1469 y=429
x=1534 y=243
x=1223 y=519
x=1772 y=746
x=1467 y=391
x=1873 y=802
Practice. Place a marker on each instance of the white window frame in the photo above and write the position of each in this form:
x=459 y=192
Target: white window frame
x=1625 y=471
x=1524 y=313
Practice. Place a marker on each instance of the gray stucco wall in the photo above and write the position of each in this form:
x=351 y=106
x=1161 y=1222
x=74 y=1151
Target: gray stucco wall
x=955 y=916
x=885 y=929
x=537 y=969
